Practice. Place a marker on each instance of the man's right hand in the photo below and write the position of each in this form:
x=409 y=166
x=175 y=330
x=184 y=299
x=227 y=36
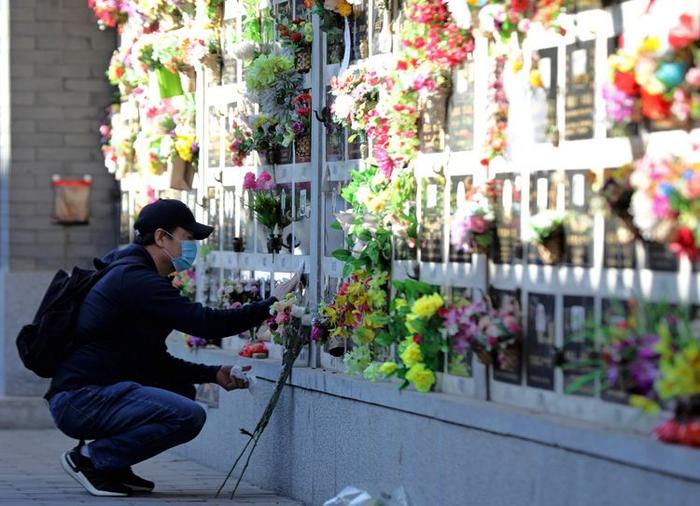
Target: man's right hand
x=225 y=381
x=285 y=287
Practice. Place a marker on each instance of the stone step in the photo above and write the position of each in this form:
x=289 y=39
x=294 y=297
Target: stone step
x=25 y=413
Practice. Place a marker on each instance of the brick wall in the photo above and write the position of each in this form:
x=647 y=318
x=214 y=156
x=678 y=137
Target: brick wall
x=58 y=57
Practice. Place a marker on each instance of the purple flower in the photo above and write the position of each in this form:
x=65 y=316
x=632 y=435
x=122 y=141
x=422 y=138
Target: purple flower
x=619 y=104
x=298 y=127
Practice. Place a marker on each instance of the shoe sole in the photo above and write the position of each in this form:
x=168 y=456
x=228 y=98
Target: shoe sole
x=80 y=478
x=136 y=488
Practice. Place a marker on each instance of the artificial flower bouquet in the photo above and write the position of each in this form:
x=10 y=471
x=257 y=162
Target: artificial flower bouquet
x=301 y=126
x=235 y=293
x=241 y=139
x=254 y=349
x=285 y=316
x=493 y=334
x=666 y=200
x=298 y=36
x=546 y=231
x=472 y=226
x=110 y=13
x=416 y=322
x=186 y=282
x=656 y=75
x=269 y=137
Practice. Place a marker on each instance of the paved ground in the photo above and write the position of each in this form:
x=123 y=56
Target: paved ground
x=30 y=474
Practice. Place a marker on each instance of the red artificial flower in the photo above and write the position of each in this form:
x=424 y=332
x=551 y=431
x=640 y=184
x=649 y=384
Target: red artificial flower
x=685 y=33
x=684 y=243
x=296 y=37
x=626 y=82
x=401 y=65
x=417 y=338
x=519 y=5
x=655 y=107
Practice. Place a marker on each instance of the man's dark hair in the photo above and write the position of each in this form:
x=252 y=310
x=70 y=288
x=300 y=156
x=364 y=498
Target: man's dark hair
x=149 y=237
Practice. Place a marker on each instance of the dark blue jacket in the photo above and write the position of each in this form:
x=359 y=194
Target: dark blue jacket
x=125 y=320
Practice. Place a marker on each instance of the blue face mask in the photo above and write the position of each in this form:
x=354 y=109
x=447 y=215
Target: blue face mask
x=187 y=257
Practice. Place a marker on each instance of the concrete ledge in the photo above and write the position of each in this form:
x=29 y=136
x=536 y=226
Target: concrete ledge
x=25 y=413
x=586 y=438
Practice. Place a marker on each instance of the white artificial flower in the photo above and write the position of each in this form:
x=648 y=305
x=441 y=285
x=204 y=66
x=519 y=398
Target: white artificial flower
x=461 y=13
x=642 y=209
x=298 y=311
x=363 y=194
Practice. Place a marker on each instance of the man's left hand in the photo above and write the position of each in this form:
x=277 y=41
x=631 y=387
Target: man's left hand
x=225 y=381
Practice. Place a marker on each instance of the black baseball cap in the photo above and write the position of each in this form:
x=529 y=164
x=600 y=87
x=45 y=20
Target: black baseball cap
x=169 y=214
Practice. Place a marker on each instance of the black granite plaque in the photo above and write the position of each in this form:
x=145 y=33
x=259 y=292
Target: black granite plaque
x=248 y=223
x=579 y=225
x=514 y=377
x=460 y=116
x=214 y=136
x=614 y=310
x=431 y=230
x=547 y=63
x=381 y=29
x=540 y=341
x=509 y=248
x=335 y=136
x=619 y=247
x=659 y=258
x=334 y=47
x=578 y=313
x=580 y=90
x=228 y=229
x=302 y=210
x=359 y=33
x=545 y=186
x=459 y=185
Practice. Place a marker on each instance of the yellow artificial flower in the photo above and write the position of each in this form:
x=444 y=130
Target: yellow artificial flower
x=363 y=335
x=535 y=78
x=183 y=145
x=411 y=355
x=344 y=8
x=400 y=302
x=517 y=64
x=427 y=305
x=388 y=368
x=650 y=45
x=421 y=377
x=645 y=404
x=377 y=203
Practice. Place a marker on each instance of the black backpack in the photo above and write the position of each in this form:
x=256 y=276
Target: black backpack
x=45 y=342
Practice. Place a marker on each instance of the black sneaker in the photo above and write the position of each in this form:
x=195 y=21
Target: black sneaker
x=133 y=482
x=99 y=483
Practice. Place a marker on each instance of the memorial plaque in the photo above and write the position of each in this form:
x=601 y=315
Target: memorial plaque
x=619 y=246
x=333 y=203
x=514 y=377
x=460 y=115
x=229 y=37
x=614 y=311
x=539 y=344
x=125 y=219
x=335 y=136
x=432 y=206
x=330 y=289
x=578 y=314
x=580 y=90
x=247 y=223
x=459 y=185
x=404 y=247
x=509 y=247
x=545 y=116
x=334 y=46
x=300 y=11
x=284 y=10
x=213 y=206
x=547 y=191
x=229 y=225
x=214 y=135
x=659 y=257
x=302 y=210
x=359 y=32
x=579 y=225
x=381 y=27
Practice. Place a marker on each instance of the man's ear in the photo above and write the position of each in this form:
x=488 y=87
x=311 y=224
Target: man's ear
x=159 y=237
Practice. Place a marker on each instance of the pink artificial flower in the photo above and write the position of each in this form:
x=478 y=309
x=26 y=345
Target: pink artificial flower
x=511 y=324
x=661 y=206
x=478 y=224
x=249 y=181
x=265 y=181
x=693 y=76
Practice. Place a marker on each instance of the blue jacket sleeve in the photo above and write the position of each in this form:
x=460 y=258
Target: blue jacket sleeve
x=152 y=296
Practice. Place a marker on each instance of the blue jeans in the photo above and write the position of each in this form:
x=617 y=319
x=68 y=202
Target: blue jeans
x=128 y=422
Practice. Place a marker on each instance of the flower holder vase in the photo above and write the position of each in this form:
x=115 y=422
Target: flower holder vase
x=302 y=59
x=274 y=243
x=335 y=346
x=482 y=354
x=212 y=68
x=552 y=248
x=180 y=174
x=237 y=244
x=302 y=148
